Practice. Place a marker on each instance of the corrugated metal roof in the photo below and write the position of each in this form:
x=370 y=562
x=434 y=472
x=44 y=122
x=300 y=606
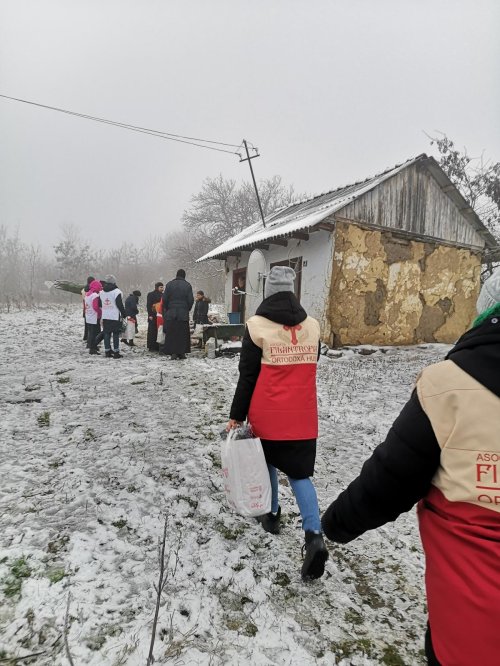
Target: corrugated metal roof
x=305 y=215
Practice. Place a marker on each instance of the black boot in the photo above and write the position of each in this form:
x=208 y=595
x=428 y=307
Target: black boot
x=117 y=354
x=94 y=350
x=174 y=357
x=131 y=343
x=271 y=521
x=108 y=354
x=315 y=557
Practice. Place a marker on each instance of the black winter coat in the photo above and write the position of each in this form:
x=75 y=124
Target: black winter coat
x=152 y=298
x=131 y=303
x=400 y=471
x=200 y=314
x=177 y=300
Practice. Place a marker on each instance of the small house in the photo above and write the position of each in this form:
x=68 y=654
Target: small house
x=393 y=260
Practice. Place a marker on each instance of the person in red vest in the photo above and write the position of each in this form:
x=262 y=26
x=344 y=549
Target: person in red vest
x=277 y=392
x=443 y=451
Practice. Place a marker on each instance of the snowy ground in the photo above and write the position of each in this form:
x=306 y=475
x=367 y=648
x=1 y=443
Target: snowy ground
x=96 y=452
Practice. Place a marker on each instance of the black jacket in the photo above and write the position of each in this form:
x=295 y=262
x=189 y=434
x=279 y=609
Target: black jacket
x=282 y=308
x=200 y=313
x=400 y=471
x=131 y=306
x=177 y=300
x=152 y=298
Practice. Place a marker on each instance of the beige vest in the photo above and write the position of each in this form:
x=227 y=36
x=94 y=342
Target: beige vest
x=285 y=345
x=465 y=417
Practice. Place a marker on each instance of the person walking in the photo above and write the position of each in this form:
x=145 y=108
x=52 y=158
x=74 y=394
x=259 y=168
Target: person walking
x=93 y=315
x=111 y=302
x=131 y=311
x=177 y=301
x=443 y=451
x=152 y=299
x=200 y=313
x=276 y=390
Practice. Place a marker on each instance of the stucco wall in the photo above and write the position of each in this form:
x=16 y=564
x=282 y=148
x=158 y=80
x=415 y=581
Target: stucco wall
x=317 y=256
x=390 y=291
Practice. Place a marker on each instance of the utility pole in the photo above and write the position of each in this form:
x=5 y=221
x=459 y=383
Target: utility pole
x=249 y=160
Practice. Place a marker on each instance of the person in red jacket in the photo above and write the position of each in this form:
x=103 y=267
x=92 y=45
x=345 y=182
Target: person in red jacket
x=443 y=451
x=277 y=392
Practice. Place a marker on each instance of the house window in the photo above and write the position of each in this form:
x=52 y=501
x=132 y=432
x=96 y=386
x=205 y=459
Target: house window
x=296 y=264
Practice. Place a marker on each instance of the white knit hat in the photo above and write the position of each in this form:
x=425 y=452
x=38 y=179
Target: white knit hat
x=280 y=278
x=490 y=292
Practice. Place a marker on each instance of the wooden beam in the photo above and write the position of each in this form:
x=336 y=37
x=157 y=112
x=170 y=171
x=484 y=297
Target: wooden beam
x=324 y=226
x=278 y=241
x=300 y=235
x=261 y=246
x=234 y=253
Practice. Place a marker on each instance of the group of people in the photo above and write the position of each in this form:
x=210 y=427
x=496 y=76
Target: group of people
x=109 y=319
x=442 y=453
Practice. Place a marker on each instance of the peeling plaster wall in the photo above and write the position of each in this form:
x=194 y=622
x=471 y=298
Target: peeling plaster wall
x=390 y=291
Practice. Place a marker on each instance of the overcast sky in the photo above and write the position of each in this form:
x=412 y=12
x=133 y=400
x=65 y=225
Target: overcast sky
x=331 y=91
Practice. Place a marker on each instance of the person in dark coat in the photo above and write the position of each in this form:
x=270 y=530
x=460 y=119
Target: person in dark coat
x=113 y=311
x=177 y=301
x=443 y=451
x=200 y=314
x=152 y=298
x=131 y=311
x=276 y=390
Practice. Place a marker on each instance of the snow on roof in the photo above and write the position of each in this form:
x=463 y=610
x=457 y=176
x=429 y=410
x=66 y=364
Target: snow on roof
x=303 y=215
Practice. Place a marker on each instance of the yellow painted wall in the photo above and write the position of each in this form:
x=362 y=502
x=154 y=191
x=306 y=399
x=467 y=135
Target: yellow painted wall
x=390 y=291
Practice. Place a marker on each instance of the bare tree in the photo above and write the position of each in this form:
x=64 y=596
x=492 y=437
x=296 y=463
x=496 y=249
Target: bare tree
x=478 y=179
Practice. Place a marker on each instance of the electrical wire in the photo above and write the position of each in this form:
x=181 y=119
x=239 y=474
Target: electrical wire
x=193 y=141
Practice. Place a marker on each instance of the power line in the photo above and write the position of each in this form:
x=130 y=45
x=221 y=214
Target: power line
x=193 y=141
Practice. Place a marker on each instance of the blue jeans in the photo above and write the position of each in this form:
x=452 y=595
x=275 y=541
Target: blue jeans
x=307 y=500
x=107 y=340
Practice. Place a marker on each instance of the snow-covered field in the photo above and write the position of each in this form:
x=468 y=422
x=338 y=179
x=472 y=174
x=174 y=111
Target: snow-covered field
x=96 y=453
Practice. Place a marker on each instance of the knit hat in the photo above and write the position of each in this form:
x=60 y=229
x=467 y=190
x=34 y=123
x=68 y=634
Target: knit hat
x=110 y=279
x=490 y=292
x=280 y=278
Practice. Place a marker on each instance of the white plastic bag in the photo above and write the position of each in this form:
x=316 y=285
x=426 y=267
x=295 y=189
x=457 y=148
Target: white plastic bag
x=160 y=336
x=246 y=477
x=130 y=329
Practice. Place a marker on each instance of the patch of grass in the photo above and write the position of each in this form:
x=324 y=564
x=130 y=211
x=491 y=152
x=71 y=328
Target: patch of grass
x=353 y=617
x=391 y=657
x=43 y=420
x=138 y=381
x=61 y=372
x=89 y=435
x=18 y=571
x=227 y=532
x=119 y=523
x=189 y=500
x=239 y=566
x=56 y=575
x=32 y=387
x=282 y=579
x=350 y=647
x=63 y=380
x=56 y=464
x=215 y=459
